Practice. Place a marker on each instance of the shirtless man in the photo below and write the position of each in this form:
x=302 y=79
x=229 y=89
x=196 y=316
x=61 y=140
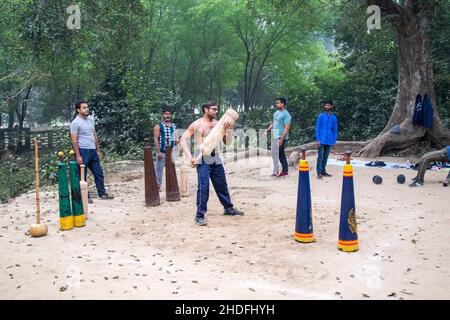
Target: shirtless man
x=209 y=167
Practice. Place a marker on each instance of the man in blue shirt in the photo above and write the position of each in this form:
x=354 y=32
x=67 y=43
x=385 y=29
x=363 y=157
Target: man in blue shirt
x=280 y=135
x=326 y=135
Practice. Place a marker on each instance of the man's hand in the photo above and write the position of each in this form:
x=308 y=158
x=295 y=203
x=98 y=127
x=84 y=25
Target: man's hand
x=160 y=155
x=99 y=154
x=280 y=142
x=80 y=160
x=193 y=162
x=318 y=144
x=227 y=125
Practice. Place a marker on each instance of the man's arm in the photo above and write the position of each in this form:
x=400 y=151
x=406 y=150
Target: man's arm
x=318 y=130
x=335 y=129
x=74 y=139
x=97 y=146
x=269 y=128
x=184 y=142
x=285 y=132
x=156 y=136
x=287 y=125
x=228 y=137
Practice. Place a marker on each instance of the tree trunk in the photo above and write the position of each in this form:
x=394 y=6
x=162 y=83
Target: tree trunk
x=415 y=76
x=11 y=119
x=21 y=117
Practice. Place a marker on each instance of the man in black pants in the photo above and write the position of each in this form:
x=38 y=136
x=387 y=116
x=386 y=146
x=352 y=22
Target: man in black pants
x=442 y=155
x=280 y=125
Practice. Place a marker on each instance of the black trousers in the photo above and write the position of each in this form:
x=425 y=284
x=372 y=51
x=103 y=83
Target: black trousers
x=282 y=157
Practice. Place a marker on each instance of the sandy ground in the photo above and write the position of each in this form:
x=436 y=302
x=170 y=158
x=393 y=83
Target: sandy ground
x=128 y=251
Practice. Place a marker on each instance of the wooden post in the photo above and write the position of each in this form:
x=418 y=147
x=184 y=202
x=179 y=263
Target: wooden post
x=303 y=149
x=348 y=153
x=2 y=140
x=50 y=139
x=10 y=134
x=36 y=172
x=151 y=187
x=27 y=134
x=172 y=190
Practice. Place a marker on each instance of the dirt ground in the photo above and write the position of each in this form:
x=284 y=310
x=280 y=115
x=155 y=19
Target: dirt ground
x=128 y=251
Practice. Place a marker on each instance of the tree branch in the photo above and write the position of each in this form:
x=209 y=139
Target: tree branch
x=387 y=7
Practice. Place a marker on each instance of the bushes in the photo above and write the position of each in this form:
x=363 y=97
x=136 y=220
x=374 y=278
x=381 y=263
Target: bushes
x=17 y=171
x=16 y=176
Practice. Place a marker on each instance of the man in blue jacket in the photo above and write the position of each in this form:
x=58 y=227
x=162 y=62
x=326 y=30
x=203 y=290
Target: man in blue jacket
x=326 y=135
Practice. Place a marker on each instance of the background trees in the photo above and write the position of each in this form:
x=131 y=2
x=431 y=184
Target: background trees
x=131 y=57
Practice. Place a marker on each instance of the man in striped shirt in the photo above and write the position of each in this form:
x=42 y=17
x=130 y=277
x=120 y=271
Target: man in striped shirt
x=163 y=135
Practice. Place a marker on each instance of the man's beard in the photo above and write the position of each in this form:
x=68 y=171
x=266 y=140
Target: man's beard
x=167 y=119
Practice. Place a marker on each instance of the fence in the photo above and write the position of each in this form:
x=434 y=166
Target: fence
x=8 y=138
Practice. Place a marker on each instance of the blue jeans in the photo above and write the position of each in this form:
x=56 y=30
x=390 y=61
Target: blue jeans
x=322 y=158
x=216 y=172
x=91 y=161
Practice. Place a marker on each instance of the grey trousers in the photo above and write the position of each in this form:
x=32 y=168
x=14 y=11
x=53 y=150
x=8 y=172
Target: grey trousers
x=275 y=155
x=159 y=168
x=440 y=156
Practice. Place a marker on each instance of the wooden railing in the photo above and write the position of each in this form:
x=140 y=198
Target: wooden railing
x=8 y=138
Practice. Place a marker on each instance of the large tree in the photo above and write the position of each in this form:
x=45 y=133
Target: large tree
x=265 y=27
x=412 y=21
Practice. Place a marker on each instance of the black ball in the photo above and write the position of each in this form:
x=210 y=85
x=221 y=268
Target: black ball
x=377 y=179
x=401 y=179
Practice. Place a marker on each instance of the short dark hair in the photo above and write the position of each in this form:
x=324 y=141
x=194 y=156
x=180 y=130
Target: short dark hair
x=166 y=109
x=281 y=99
x=79 y=103
x=208 y=104
x=78 y=106
x=328 y=101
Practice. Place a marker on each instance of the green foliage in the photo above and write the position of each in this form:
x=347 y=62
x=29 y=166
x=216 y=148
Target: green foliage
x=365 y=99
x=17 y=172
x=119 y=125
x=131 y=58
x=16 y=176
x=441 y=48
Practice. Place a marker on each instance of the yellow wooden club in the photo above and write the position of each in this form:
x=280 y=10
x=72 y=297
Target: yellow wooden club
x=39 y=229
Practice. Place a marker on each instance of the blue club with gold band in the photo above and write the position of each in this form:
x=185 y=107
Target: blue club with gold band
x=348 y=231
x=303 y=223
